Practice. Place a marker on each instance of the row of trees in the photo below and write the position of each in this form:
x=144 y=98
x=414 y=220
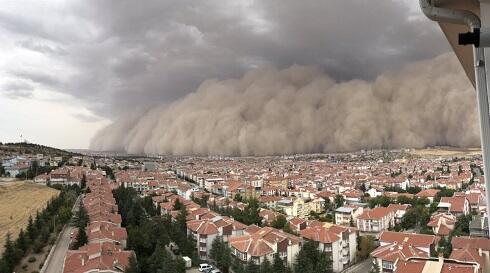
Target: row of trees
x=81 y=221
x=385 y=201
x=248 y=216
x=149 y=234
x=411 y=190
x=38 y=231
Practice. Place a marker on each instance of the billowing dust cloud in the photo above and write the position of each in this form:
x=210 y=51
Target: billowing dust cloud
x=302 y=110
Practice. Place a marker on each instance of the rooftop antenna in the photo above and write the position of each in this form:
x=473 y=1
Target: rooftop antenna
x=463 y=12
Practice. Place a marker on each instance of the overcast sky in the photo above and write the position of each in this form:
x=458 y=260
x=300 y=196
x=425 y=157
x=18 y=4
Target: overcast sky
x=68 y=68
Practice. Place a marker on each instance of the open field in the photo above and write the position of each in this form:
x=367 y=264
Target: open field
x=18 y=200
x=446 y=151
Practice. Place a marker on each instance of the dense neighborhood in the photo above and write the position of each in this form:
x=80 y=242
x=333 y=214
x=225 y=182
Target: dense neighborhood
x=378 y=211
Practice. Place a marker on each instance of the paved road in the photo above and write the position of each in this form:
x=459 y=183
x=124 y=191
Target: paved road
x=54 y=264
x=362 y=267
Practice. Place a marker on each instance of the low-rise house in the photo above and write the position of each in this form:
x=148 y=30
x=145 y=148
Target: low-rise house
x=474 y=199
x=297 y=224
x=204 y=231
x=269 y=201
x=399 y=246
x=456 y=205
x=442 y=224
x=399 y=210
x=257 y=244
x=294 y=207
x=435 y=265
x=470 y=249
x=344 y=216
x=97 y=257
x=339 y=243
x=376 y=220
x=99 y=232
x=41 y=179
x=348 y=215
x=429 y=194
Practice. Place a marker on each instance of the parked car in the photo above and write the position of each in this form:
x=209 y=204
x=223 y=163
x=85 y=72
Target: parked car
x=204 y=267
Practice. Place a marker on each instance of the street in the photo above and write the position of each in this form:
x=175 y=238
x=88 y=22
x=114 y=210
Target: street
x=57 y=259
x=54 y=263
x=362 y=267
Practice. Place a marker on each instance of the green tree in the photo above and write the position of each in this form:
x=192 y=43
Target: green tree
x=365 y=246
x=327 y=205
x=31 y=229
x=339 y=201
x=280 y=222
x=278 y=264
x=81 y=238
x=177 y=204
x=252 y=267
x=221 y=254
x=182 y=219
x=11 y=254
x=266 y=266
x=65 y=214
x=310 y=260
x=238 y=198
x=22 y=242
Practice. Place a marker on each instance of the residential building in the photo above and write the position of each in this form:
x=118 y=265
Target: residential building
x=257 y=244
x=97 y=257
x=442 y=224
x=205 y=231
x=376 y=220
x=435 y=265
x=339 y=243
x=399 y=246
x=456 y=205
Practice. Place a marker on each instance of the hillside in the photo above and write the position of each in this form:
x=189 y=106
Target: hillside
x=30 y=148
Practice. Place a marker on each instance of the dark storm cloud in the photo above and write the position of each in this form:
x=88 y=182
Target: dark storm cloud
x=128 y=55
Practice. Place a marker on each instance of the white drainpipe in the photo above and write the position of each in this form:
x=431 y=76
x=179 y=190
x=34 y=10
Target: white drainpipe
x=470 y=19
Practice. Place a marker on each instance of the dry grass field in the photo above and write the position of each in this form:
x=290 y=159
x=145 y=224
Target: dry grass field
x=18 y=200
x=446 y=152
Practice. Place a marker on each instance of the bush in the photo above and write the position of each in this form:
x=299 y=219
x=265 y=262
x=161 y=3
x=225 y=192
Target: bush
x=38 y=247
x=31 y=259
x=24 y=267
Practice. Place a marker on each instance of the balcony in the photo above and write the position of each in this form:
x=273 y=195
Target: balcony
x=345 y=251
x=344 y=260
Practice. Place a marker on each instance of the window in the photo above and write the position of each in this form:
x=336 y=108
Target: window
x=387 y=265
